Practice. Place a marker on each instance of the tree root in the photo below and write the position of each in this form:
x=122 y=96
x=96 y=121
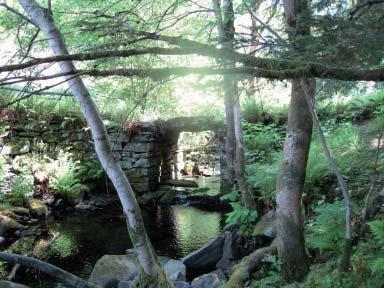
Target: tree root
x=51 y=270
x=249 y=264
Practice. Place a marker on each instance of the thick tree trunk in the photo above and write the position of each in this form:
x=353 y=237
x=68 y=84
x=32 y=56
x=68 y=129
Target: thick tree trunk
x=291 y=177
x=289 y=187
x=152 y=272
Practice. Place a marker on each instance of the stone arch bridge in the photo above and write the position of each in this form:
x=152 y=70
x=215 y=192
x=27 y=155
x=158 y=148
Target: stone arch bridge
x=147 y=151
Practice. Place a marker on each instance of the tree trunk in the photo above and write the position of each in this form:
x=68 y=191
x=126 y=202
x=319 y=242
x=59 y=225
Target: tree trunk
x=291 y=177
x=289 y=187
x=234 y=138
x=346 y=256
x=152 y=274
x=224 y=28
x=246 y=194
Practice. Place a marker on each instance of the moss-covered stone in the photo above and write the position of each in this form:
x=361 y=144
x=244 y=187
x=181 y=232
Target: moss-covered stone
x=168 y=197
x=7 y=223
x=266 y=226
x=23 y=245
x=37 y=207
x=76 y=195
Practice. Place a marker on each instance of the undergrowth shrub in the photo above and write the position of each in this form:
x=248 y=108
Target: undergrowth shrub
x=22 y=185
x=377 y=265
x=242 y=217
x=346 y=148
x=326 y=231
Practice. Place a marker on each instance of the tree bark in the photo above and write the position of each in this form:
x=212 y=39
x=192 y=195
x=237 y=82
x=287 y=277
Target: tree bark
x=346 y=256
x=151 y=271
x=234 y=138
x=289 y=187
x=291 y=177
x=246 y=194
x=225 y=31
x=53 y=271
x=242 y=272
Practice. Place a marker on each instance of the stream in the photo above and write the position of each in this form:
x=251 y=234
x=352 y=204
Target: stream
x=175 y=231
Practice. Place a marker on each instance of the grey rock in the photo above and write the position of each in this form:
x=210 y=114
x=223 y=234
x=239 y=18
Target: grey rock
x=84 y=207
x=207 y=256
x=119 y=268
x=175 y=270
x=220 y=274
x=226 y=262
x=125 y=284
x=266 y=226
x=114 y=267
x=37 y=207
x=7 y=223
x=181 y=183
x=181 y=284
x=9 y=284
x=206 y=281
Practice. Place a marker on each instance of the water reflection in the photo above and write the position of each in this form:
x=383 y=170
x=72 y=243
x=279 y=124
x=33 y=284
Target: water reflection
x=175 y=231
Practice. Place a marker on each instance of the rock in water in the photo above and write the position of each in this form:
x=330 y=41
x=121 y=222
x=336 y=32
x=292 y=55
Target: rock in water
x=207 y=256
x=175 y=270
x=9 y=284
x=181 y=183
x=113 y=269
x=206 y=281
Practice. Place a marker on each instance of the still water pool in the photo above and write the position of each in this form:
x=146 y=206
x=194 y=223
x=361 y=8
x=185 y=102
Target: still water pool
x=175 y=231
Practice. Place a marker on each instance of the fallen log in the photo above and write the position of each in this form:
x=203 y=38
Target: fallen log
x=55 y=272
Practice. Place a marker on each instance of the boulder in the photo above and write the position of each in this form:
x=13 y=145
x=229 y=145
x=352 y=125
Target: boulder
x=37 y=207
x=9 y=284
x=207 y=256
x=168 y=197
x=266 y=226
x=226 y=262
x=206 y=281
x=76 y=195
x=181 y=183
x=220 y=274
x=7 y=223
x=112 y=269
x=125 y=284
x=84 y=207
x=175 y=270
x=116 y=268
x=181 y=284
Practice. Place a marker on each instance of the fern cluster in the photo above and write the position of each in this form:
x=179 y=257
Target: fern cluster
x=327 y=230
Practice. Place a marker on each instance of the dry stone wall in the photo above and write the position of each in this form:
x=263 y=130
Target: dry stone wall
x=145 y=154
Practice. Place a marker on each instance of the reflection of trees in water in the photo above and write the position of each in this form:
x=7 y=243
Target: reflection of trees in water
x=174 y=230
x=178 y=230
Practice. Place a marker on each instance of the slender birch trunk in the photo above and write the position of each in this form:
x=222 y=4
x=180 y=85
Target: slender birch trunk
x=345 y=262
x=152 y=274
